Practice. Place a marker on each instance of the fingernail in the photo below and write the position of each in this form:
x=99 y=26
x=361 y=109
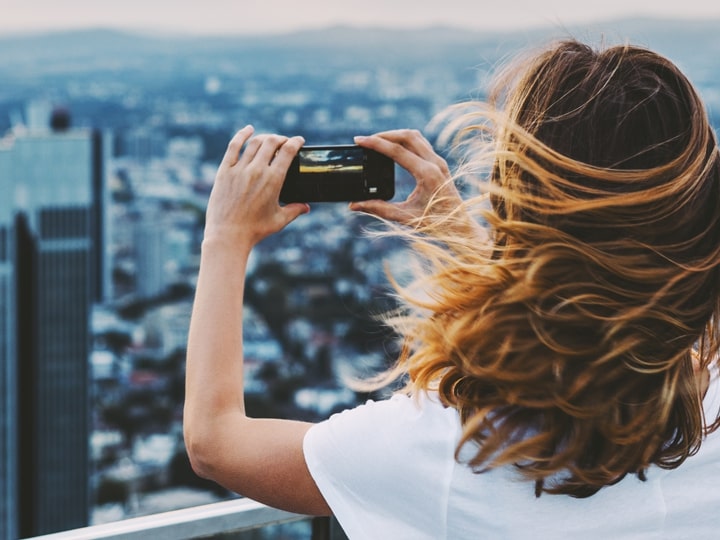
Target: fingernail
x=359 y=138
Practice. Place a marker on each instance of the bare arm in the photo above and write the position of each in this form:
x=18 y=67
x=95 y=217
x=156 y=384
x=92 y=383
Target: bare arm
x=258 y=458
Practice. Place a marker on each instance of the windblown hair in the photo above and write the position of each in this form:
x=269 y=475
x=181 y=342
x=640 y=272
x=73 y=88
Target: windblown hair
x=571 y=345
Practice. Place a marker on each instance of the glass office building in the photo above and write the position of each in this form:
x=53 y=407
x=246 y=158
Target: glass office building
x=51 y=227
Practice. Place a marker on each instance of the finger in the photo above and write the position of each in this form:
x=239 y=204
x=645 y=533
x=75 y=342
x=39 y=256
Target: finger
x=232 y=154
x=281 y=162
x=269 y=145
x=411 y=139
x=382 y=209
x=415 y=142
x=286 y=153
x=292 y=211
x=251 y=149
x=296 y=209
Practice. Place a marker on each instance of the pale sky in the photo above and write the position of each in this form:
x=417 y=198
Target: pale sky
x=242 y=17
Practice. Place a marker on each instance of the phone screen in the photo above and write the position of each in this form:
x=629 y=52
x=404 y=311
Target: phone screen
x=331 y=160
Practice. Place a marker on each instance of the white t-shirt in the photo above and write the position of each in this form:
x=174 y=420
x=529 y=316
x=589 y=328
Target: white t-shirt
x=388 y=471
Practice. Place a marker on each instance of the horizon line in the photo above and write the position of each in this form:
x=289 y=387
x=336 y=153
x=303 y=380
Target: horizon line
x=148 y=31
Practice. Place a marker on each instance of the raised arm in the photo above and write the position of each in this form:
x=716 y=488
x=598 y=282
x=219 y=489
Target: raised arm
x=258 y=458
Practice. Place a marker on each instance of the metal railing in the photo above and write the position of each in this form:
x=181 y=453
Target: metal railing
x=196 y=522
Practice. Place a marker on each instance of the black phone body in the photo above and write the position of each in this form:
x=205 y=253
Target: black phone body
x=338 y=173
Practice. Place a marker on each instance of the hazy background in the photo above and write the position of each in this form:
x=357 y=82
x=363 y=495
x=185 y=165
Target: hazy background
x=250 y=17
x=167 y=83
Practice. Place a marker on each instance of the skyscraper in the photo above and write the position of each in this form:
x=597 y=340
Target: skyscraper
x=8 y=363
x=55 y=274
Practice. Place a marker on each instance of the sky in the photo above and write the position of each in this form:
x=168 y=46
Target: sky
x=246 y=17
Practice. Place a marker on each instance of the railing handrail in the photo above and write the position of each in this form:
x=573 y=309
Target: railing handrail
x=197 y=521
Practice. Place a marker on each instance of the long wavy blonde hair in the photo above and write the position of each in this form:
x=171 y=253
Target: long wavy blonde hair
x=571 y=344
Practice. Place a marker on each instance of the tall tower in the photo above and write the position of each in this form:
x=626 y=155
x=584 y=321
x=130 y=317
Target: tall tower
x=57 y=252
x=8 y=362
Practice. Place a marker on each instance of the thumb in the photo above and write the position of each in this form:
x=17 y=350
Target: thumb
x=372 y=206
x=382 y=209
x=292 y=211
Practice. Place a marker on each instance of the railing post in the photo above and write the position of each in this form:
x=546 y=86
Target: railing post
x=321 y=528
x=327 y=528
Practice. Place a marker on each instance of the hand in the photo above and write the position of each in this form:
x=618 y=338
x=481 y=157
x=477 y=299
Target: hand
x=244 y=202
x=413 y=152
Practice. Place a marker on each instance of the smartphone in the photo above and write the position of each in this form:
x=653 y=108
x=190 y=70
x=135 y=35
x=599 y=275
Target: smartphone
x=341 y=173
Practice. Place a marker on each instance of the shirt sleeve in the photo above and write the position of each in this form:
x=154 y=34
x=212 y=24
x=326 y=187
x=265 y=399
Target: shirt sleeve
x=384 y=467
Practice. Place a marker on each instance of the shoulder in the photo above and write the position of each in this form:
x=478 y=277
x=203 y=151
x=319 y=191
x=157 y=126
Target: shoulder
x=387 y=422
x=367 y=461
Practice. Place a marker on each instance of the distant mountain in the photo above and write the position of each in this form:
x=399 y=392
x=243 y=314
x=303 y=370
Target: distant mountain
x=86 y=49
x=118 y=44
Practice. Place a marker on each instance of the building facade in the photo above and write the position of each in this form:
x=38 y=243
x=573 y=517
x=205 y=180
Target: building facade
x=54 y=273
x=8 y=359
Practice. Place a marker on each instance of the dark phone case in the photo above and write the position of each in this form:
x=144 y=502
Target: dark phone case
x=375 y=181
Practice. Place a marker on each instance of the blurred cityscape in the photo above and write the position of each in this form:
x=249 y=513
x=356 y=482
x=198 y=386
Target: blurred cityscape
x=163 y=110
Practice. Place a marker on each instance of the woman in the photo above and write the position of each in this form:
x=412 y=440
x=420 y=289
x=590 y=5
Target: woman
x=560 y=375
